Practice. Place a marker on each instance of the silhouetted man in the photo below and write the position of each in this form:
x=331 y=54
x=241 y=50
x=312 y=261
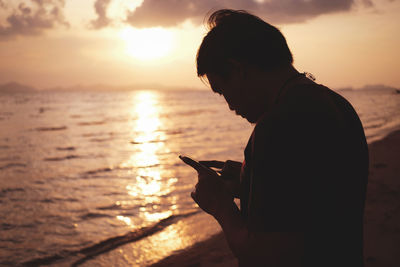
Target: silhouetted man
x=302 y=184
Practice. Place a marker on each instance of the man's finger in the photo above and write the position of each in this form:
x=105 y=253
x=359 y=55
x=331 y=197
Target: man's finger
x=213 y=163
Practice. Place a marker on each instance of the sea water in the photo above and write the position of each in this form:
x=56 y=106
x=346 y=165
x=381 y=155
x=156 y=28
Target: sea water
x=94 y=178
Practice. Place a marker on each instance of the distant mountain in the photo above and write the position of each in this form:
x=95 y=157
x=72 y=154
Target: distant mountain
x=115 y=88
x=373 y=87
x=14 y=87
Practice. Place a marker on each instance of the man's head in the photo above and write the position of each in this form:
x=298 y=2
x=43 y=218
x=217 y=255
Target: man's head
x=236 y=43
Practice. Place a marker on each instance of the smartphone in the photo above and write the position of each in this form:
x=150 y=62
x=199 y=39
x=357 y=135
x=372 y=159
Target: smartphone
x=195 y=164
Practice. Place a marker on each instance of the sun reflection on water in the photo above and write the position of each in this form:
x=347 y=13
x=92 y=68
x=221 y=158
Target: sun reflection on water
x=146 y=108
x=151 y=183
x=126 y=220
x=146 y=135
x=156 y=216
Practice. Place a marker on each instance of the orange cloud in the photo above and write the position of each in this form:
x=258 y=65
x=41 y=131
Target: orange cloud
x=32 y=17
x=102 y=20
x=173 y=12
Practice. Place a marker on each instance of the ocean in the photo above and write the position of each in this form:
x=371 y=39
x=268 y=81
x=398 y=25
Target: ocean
x=94 y=178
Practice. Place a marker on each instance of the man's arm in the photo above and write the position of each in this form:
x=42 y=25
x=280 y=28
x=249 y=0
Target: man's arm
x=259 y=248
x=251 y=248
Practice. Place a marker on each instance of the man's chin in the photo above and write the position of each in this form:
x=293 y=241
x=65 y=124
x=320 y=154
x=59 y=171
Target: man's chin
x=251 y=120
x=248 y=118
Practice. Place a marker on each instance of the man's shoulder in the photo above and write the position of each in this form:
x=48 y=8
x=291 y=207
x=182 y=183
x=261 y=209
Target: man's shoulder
x=308 y=109
x=302 y=101
x=313 y=97
x=321 y=98
x=296 y=102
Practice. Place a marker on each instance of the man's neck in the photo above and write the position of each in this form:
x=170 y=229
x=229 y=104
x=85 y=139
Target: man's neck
x=274 y=84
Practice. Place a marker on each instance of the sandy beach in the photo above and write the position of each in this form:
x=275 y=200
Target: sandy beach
x=382 y=217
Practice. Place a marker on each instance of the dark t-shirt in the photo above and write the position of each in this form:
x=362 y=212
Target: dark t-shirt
x=305 y=170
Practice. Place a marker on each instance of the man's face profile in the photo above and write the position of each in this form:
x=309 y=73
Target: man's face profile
x=230 y=88
x=238 y=94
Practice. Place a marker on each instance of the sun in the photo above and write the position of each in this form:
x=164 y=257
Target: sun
x=147 y=44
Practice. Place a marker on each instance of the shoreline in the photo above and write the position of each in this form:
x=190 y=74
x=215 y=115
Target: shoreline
x=381 y=217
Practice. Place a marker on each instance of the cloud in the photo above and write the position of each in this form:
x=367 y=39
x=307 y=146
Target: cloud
x=173 y=12
x=32 y=17
x=2 y=4
x=102 y=20
x=368 y=3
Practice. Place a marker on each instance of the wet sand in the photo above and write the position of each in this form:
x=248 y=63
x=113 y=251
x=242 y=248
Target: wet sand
x=382 y=210
x=382 y=217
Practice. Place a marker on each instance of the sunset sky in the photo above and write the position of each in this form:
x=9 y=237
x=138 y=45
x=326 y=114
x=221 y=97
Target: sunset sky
x=51 y=43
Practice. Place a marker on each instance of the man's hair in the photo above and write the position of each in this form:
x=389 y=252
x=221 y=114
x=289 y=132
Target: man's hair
x=240 y=36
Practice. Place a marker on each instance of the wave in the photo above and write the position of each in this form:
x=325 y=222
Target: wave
x=111 y=207
x=92 y=215
x=7 y=226
x=47 y=129
x=147 y=142
x=99 y=140
x=92 y=134
x=193 y=112
x=43 y=109
x=109 y=244
x=143 y=166
x=174 y=132
x=107 y=169
x=69 y=148
x=118 y=207
x=62 y=158
x=15 y=189
x=57 y=199
x=118 y=193
x=88 y=123
x=110 y=169
x=4 y=191
x=10 y=158
x=373 y=126
x=11 y=165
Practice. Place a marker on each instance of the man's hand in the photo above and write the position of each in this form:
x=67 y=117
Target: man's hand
x=211 y=193
x=230 y=173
